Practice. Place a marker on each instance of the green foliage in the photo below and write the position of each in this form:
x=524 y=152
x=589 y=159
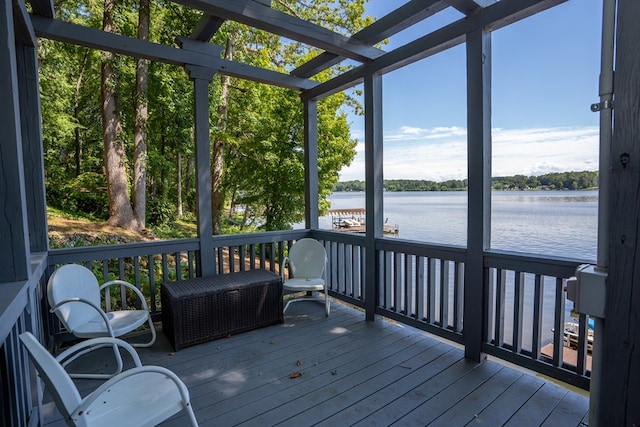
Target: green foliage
x=263 y=129
x=552 y=181
x=159 y=212
x=84 y=194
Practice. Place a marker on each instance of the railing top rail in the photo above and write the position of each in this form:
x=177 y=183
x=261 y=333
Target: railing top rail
x=123 y=250
x=557 y=266
x=90 y=253
x=339 y=237
x=447 y=252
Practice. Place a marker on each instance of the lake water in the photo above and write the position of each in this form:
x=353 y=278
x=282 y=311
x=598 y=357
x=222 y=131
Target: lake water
x=554 y=223
x=548 y=223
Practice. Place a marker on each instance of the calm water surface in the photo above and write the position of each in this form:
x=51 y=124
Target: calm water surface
x=554 y=223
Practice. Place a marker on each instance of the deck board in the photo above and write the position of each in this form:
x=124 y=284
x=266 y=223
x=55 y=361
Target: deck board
x=353 y=373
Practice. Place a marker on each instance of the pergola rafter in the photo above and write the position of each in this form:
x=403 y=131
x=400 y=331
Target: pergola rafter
x=263 y=17
x=490 y=18
x=90 y=37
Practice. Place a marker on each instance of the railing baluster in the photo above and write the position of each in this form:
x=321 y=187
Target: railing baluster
x=420 y=288
x=501 y=278
x=164 y=269
x=397 y=282
x=558 y=324
x=190 y=261
x=518 y=307
x=458 y=296
x=272 y=256
x=536 y=338
x=178 y=263
x=444 y=293
x=123 y=290
x=136 y=275
x=431 y=290
x=583 y=342
x=263 y=255
x=408 y=285
x=152 y=281
x=243 y=257
x=105 y=276
x=420 y=285
x=388 y=277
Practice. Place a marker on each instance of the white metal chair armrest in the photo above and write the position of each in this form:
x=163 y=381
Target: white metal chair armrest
x=145 y=307
x=98 y=309
x=92 y=344
x=127 y=285
x=282 y=265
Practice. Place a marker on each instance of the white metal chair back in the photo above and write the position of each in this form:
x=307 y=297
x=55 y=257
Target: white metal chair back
x=73 y=281
x=142 y=396
x=58 y=383
x=307 y=259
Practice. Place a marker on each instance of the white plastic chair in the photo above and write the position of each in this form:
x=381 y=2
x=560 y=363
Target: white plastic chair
x=140 y=396
x=307 y=262
x=74 y=296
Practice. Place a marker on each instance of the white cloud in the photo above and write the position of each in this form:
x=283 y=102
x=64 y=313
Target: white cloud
x=441 y=153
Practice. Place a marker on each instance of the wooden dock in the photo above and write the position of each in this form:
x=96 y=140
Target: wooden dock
x=353 y=221
x=353 y=372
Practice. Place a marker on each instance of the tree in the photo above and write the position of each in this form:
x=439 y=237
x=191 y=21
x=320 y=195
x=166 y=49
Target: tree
x=256 y=131
x=140 y=124
x=120 y=211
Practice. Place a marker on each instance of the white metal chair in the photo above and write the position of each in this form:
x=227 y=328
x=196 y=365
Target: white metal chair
x=74 y=296
x=307 y=261
x=140 y=396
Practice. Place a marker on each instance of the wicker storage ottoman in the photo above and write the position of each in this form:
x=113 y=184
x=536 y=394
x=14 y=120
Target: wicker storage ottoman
x=206 y=308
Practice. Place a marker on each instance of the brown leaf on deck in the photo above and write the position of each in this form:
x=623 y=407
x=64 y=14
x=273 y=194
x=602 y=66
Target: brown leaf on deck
x=295 y=374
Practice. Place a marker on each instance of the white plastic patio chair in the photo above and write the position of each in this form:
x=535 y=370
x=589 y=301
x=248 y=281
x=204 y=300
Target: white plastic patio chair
x=74 y=296
x=140 y=396
x=307 y=261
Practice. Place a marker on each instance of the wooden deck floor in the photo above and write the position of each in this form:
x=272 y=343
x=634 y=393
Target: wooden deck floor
x=353 y=373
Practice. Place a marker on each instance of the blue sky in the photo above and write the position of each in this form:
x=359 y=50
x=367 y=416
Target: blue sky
x=544 y=79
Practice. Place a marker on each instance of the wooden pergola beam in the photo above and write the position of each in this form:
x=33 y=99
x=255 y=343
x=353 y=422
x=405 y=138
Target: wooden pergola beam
x=90 y=37
x=490 y=18
x=208 y=25
x=469 y=7
x=42 y=7
x=24 y=34
x=261 y=16
x=396 y=21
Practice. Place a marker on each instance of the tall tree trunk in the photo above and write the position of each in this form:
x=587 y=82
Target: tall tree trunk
x=140 y=122
x=217 y=157
x=76 y=114
x=120 y=211
x=189 y=180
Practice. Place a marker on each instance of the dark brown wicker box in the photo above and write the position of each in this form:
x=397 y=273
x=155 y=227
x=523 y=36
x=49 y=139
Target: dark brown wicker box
x=205 y=308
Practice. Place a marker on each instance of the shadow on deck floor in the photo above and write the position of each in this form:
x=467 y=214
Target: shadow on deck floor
x=353 y=373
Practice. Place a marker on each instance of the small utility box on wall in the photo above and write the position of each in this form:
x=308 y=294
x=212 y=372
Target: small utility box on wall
x=588 y=290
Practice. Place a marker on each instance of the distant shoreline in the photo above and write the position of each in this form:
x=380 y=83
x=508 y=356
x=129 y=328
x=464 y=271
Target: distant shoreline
x=584 y=180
